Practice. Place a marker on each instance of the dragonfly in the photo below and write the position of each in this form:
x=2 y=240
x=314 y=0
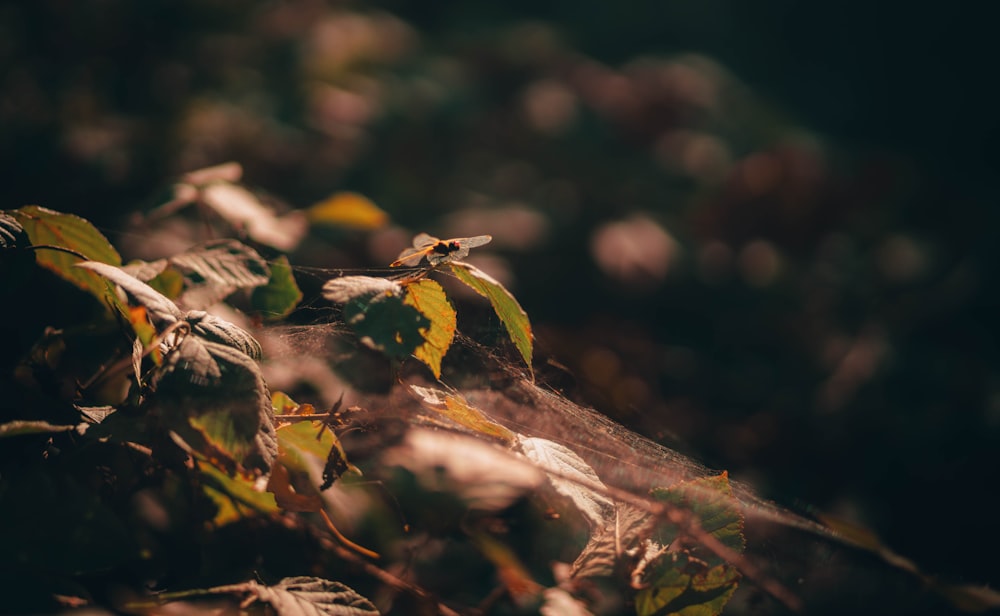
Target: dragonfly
x=439 y=251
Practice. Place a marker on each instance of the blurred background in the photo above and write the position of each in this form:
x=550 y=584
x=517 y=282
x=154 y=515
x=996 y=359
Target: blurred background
x=761 y=233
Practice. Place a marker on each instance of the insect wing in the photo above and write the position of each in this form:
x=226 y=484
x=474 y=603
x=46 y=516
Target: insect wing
x=422 y=244
x=472 y=242
x=458 y=248
x=423 y=240
x=425 y=244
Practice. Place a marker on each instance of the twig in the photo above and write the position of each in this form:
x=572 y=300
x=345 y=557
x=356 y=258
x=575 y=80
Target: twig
x=340 y=537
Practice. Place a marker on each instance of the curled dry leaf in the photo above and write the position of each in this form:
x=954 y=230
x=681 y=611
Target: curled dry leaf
x=243 y=210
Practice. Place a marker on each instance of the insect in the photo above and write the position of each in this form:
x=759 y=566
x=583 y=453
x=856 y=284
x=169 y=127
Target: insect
x=439 y=251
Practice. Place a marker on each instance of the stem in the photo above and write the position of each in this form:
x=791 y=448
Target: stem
x=347 y=542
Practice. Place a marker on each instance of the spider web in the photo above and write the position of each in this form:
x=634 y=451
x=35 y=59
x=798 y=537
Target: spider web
x=790 y=556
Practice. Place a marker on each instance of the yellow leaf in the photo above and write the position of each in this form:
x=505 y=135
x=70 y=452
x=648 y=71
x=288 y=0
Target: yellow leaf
x=430 y=300
x=457 y=409
x=347 y=209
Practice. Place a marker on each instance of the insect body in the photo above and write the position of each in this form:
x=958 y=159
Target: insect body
x=439 y=251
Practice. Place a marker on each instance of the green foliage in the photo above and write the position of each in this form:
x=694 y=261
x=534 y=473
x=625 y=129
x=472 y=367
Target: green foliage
x=195 y=471
x=428 y=330
x=385 y=323
x=64 y=240
x=280 y=295
x=689 y=580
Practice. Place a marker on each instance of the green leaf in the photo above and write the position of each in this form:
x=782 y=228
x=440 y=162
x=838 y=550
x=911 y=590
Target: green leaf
x=513 y=317
x=235 y=497
x=711 y=500
x=686 y=588
x=430 y=300
x=347 y=209
x=687 y=579
x=386 y=324
x=214 y=397
x=77 y=238
x=305 y=449
x=280 y=295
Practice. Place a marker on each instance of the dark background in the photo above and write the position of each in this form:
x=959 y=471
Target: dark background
x=96 y=118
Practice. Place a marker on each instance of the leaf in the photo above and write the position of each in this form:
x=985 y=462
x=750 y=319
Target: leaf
x=161 y=310
x=344 y=289
x=513 y=317
x=558 y=602
x=244 y=211
x=145 y=334
x=235 y=497
x=230 y=172
x=170 y=282
x=215 y=270
x=712 y=502
x=219 y=330
x=11 y=232
x=214 y=397
x=283 y=403
x=304 y=447
x=292 y=596
x=569 y=474
x=484 y=476
x=20 y=427
x=685 y=579
x=604 y=554
x=430 y=300
x=280 y=295
x=457 y=409
x=686 y=588
x=145 y=270
x=386 y=324
x=348 y=209
x=46 y=227
x=512 y=573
